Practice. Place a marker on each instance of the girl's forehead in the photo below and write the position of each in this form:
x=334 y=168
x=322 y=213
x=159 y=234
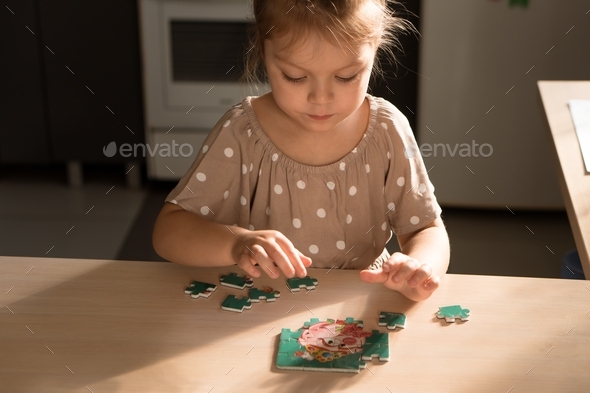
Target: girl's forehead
x=286 y=47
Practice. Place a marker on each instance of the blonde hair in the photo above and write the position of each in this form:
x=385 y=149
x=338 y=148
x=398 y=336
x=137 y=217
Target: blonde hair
x=354 y=22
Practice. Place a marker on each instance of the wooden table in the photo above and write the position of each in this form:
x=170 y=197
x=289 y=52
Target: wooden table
x=573 y=179
x=98 y=326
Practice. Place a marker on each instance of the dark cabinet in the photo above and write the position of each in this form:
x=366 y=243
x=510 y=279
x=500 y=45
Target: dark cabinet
x=70 y=85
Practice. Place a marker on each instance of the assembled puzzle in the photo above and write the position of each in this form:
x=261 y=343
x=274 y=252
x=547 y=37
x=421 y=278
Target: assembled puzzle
x=449 y=313
x=233 y=280
x=200 y=289
x=296 y=283
x=331 y=346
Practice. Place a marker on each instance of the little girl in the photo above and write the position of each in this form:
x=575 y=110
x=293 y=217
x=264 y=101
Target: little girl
x=316 y=169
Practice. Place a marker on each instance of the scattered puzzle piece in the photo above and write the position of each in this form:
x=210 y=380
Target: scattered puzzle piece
x=392 y=320
x=232 y=303
x=296 y=283
x=200 y=289
x=449 y=313
x=233 y=280
x=376 y=345
x=329 y=346
x=267 y=293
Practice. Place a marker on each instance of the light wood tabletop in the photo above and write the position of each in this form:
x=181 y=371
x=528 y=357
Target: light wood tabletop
x=573 y=179
x=70 y=325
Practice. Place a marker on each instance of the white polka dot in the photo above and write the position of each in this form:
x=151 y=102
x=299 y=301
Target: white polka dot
x=275 y=157
x=388 y=155
x=243 y=200
x=384 y=125
x=297 y=223
x=251 y=227
x=331 y=185
x=321 y=213
x=244 y=169
x=384 y=226
x=201 y=176
x=348 y=218
x=352 y=190
x=314 y=249
x=301 y=184
x=174 y=201
x=228 y=152
x=411 y=150
x=249 y=133
x=268 y=210
x=354 y=150
x=367 y=168
x=226 y=123
x=251 y=167
x=342 y=166
x=204 y=210
x=373 y=107
x=401 y=181
x=422 y=188
x=205 y=148
x=414 y=220
x=340 y=245
x=278 y=189
x=391 y=206
x=225 y=194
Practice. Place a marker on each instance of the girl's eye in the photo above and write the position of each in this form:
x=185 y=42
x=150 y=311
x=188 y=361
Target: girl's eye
x=292 y=80
x=348 y=80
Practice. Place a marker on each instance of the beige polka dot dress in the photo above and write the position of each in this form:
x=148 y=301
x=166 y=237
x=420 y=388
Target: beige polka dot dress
x=340 y=215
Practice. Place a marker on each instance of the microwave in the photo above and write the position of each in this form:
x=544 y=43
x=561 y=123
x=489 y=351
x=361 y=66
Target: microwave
x=192 y=58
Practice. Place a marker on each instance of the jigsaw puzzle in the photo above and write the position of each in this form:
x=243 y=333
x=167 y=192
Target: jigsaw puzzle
x=330 y=346
x=296 y=283
x=267 y=293
x=200 y=289
x=392 y=320
x=232 y=303
x=233 y=280
x=449 y=313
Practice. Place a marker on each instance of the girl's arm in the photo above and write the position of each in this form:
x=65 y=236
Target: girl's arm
x=416 y=271
x=185 y=238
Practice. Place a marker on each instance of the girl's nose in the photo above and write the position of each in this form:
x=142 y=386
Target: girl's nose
x=321 y=93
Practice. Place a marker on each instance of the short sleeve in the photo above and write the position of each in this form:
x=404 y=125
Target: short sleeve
x=216 y=186
x=409 y=194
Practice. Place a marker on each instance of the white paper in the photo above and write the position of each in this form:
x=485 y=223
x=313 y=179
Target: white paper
x=580 y=110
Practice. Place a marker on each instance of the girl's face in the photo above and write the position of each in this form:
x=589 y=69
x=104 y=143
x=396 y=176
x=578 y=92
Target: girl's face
x=317 y=84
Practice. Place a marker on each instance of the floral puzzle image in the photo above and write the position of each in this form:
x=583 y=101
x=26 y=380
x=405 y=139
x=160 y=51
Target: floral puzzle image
x=330 y=346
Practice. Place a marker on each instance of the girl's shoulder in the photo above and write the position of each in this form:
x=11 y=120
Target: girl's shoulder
x=389 y=116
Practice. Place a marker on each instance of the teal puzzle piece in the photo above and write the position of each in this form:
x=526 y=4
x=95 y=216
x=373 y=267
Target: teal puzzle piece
x=232 y=303
x=377 y=345
x=449 y=313
x=392 y=320
x=233 y=280
x=267 y=293
x=296 y=283
x=200 y=289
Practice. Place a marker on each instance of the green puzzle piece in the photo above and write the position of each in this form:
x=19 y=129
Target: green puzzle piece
x=231 y=303
x=296 y=283
x=234 y=281
x=267 y=293
x=200 y=289
x=377 y=345
x=392 y=320
x=449 y=313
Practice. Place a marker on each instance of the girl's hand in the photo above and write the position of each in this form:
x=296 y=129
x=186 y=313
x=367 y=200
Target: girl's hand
x=406 y=275
x=272 y=251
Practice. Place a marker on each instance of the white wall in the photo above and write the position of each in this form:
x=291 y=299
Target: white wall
x=472 y=53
